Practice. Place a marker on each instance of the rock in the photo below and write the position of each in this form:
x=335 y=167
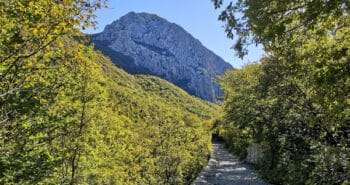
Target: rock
x=255 y=153
x=143 y=43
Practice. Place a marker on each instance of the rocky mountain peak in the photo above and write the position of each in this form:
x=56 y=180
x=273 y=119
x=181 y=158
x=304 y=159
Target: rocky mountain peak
x=143 y=43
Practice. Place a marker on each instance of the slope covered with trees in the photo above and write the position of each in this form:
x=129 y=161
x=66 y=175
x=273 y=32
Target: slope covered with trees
x=69 y=116
x=295 y=102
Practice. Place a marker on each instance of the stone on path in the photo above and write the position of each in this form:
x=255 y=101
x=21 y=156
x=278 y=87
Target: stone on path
x=224 y=169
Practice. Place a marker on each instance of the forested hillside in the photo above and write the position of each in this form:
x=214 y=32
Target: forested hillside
x=69 y=116
x=294 y=103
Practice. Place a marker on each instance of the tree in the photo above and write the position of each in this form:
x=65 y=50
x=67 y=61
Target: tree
x=306 y=76
x=69 y=116
x=35 y=61
x=275 y=23
x=33 y=37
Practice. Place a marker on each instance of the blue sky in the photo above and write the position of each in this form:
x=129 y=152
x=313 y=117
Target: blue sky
x=198 y=17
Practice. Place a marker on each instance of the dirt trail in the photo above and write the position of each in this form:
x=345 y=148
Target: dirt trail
x=224 y=169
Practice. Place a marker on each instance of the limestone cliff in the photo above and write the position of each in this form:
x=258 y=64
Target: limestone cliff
x=143 y=43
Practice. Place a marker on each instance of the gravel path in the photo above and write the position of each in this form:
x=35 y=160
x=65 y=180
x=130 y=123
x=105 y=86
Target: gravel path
x=224 y=169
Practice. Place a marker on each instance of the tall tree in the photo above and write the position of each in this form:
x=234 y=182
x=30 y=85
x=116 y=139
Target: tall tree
x=35 y=59
x=306 y=76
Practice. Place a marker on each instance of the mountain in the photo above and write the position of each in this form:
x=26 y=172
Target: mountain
x=135 y=94
x=143 y=43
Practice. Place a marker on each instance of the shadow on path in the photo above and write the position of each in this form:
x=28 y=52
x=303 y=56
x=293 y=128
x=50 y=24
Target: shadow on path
x=224 y=169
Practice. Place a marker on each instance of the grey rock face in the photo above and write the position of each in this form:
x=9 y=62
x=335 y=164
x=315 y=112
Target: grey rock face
x=143 y=43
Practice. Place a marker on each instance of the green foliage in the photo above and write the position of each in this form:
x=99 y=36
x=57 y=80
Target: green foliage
x=264 y=105
x=276 y=24
x=36 y=61
x=239 y=100
x=299 y=105
x=69 y=116
x=168 y=141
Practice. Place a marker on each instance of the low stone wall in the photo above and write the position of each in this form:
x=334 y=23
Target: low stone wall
x=255 y=152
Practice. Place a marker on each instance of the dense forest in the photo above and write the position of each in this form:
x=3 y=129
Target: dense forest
x=295 y=102
x=69 y=116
